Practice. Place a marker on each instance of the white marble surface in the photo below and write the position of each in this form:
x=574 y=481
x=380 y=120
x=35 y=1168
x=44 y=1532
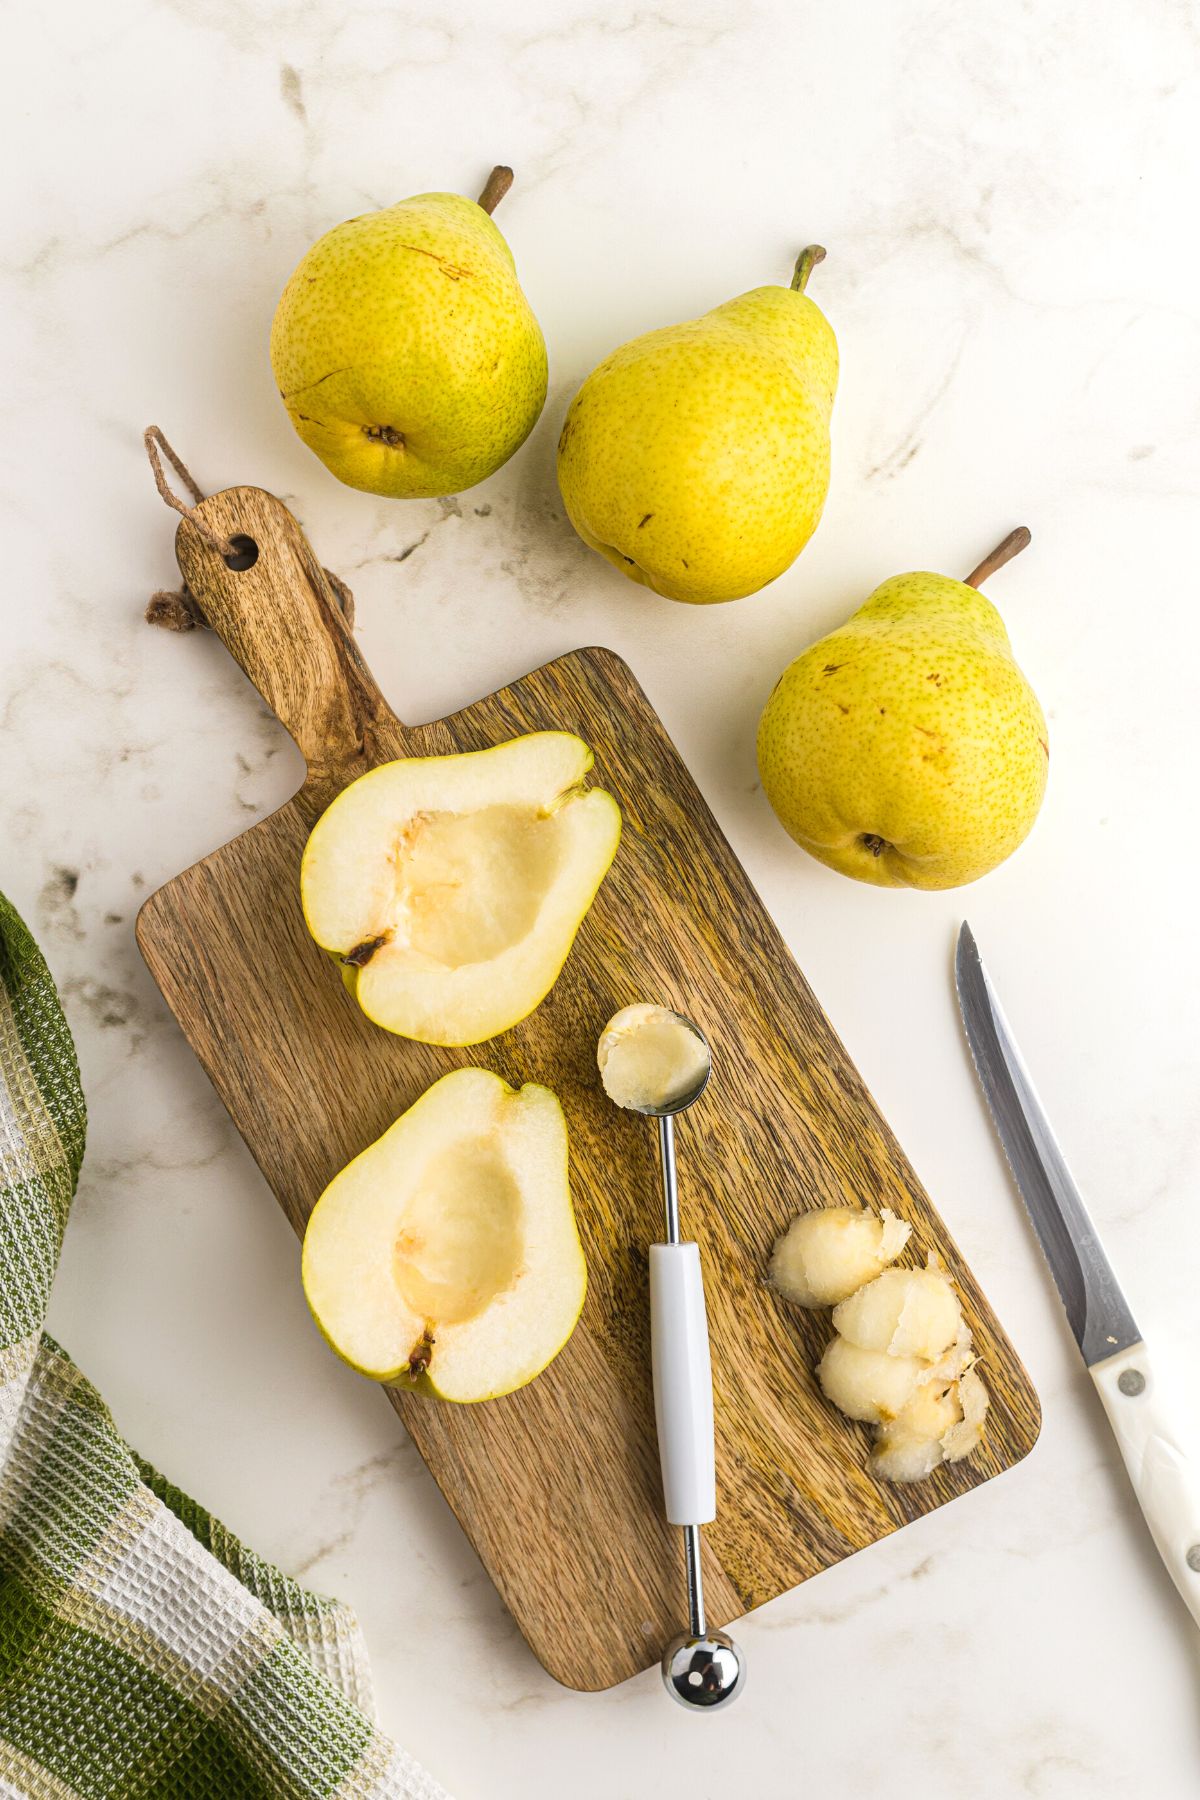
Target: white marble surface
x=1008 y=197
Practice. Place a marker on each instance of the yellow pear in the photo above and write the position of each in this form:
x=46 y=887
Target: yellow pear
x=696 y=458
x=404 y=350
x=445 y=1258
x=907 y=749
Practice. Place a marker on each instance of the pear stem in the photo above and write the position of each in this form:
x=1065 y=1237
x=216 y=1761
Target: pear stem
x=806 y=262
x=1011 y=546
x=495 y=188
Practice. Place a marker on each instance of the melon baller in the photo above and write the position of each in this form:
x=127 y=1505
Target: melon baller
x=701 y=1668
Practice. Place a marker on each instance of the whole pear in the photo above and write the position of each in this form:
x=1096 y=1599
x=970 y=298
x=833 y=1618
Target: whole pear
x=404 y=350
x=907 y=748
x=696 y=458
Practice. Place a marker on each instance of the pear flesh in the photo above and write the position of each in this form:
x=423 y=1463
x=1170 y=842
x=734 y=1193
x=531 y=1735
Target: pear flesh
x=450 y=888
x=405 y=352
x=907 y=749
x=696 y=458
x=445 y=1258
x=649 y=1057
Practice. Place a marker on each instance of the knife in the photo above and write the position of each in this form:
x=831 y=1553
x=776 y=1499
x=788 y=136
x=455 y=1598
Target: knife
x=1111 y=1344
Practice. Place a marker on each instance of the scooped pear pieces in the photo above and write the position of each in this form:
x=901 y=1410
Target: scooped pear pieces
x=869 y=1385
x=906 y=748
x=695 y=459
x=825 y=1256
x=445 y=1258
x=900 y=1358
x=450 y=888
x=967 y=1433
x=905 y=1312
x=405 y=352
x=941 y=1423
x=909 y=1447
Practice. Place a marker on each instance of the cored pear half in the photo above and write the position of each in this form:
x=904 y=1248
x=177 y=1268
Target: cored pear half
x=445 y=1258
x=451 y=887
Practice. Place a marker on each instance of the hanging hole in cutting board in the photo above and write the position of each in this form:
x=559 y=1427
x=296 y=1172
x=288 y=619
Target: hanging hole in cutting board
x=244 y=553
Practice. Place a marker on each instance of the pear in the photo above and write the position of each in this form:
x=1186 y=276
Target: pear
x=696 y=458
x=450 y=888
x=907 y=749
x=445 y=1258
x=404 y=350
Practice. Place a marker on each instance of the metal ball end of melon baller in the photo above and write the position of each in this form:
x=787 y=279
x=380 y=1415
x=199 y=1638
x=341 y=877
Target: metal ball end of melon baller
x=704 y=1671
x=700 y=1668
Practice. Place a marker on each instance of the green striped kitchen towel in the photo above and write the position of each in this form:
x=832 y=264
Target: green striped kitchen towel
x=145 y=1654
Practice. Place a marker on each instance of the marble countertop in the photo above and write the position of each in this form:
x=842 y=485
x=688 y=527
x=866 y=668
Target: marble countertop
x=1007 y=196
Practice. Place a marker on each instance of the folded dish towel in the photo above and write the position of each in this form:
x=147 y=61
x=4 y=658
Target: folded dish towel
x=145 y=1654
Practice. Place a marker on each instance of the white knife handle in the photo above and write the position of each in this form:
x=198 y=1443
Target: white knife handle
x=683 y=1398
x=1166 y=1488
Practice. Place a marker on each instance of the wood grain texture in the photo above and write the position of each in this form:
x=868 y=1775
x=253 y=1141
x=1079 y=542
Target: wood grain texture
x=557 y=1486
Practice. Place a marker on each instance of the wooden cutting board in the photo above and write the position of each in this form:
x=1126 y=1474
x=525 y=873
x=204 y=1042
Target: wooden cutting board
x=557 y=1486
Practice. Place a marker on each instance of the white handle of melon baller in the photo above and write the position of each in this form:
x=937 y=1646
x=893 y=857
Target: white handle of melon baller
x=701 y=1668
x=683 y=1401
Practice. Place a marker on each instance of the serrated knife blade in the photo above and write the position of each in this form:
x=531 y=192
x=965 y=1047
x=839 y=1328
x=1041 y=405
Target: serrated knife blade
x=1117 y=1359
x=1097 y=1310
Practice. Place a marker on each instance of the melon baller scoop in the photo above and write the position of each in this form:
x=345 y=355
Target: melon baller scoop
x=701 y=1668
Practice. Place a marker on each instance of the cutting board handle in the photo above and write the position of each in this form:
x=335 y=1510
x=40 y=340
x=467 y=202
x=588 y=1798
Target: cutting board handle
x=276 y=612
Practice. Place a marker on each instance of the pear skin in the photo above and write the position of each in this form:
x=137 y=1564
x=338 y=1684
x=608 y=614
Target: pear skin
x=404 y=350
x=696 y=458
x=907 y=749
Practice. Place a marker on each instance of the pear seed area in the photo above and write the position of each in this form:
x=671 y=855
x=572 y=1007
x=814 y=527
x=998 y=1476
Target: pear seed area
x=470 y=885
x=459 y=1243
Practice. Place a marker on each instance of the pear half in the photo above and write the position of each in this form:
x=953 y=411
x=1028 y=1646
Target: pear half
x=445 y=1258
x=451 y=887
